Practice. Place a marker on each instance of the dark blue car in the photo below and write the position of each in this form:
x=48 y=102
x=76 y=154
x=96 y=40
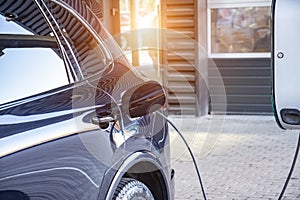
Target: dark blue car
x=76 y=120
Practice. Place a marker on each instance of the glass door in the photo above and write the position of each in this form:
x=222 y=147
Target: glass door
x=139 y=39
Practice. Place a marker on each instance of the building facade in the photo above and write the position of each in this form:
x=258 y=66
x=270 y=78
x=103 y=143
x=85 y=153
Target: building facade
x=213 y=56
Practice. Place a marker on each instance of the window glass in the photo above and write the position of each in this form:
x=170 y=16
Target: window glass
x=28 y=69
x=240 y=30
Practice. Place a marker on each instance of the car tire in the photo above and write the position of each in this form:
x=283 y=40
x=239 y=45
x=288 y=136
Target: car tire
x=131 y=189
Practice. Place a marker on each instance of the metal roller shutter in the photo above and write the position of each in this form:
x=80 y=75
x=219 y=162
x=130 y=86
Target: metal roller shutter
x=247 y=85
x=179 y=55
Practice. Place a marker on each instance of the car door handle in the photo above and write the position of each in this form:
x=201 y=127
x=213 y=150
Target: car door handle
x=102 y=119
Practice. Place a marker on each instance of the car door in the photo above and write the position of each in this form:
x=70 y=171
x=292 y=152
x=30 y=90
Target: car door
x=49 y=151
x=52 y=143
x=285 y=62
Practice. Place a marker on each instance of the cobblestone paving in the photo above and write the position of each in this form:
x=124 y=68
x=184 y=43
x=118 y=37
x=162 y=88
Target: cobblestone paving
x=240 y=157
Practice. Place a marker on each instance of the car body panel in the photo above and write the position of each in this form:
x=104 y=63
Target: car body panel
x=51 y=145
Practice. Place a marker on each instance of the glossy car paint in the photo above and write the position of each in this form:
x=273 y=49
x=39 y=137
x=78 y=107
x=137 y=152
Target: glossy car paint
x=50 y=147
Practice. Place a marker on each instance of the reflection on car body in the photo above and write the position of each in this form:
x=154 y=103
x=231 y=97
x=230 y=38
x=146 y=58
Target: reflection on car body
x=78 y=123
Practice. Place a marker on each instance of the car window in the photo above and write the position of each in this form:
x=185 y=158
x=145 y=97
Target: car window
x=27 y=69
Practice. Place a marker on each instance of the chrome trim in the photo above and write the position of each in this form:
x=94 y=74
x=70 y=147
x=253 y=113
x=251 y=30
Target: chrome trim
x=101 y=120
x=70 y=67
x=65 y=58
x=53 y=30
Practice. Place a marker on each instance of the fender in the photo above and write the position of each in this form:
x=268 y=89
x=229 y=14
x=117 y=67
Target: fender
x=129 y=162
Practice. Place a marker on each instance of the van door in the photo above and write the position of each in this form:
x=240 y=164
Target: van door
x=286 y=62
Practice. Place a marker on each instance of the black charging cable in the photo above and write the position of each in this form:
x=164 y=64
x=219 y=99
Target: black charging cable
x=190 y=151
x=291 y=170
x=198 y=170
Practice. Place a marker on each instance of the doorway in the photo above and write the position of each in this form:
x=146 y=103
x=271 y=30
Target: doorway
x=139 y=38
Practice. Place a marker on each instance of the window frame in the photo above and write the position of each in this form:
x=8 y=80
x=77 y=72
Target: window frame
x=218 y=4
x=90 y=29
x=69 y=68
x=43 y=90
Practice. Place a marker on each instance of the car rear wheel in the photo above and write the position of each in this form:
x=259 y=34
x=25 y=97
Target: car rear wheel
x=131 y=189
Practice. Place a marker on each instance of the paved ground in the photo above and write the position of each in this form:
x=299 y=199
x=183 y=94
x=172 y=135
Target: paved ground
x=240 y=157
